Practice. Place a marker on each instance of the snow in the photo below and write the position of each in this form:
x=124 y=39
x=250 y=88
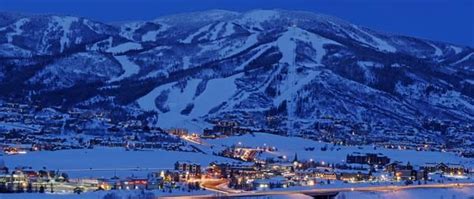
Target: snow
x=448 y=193
x=128 y=66
x=121 y=48
x=217 y=92
x=177 y=101
x=438 y=52
x=147 y=102
x=229 y=30
x=286 y=44
x=9 y=50
x=151 y=35
x=220 y=49
x=107 y=43
x=90 y=195
x=65 y=23
x=16 y=29
x=377 y=42
x=470 y=81
x=106 y=162
x=456 y=49
x=463 y=59
x=186 y=62
x=257 y=17
x=260 y=51
x=128 y=30
x=287 y=47
x=118 y=194
x=10 y=126
x=250 y=41
x=190 y=38
x=217 y=29
x=435 y=193
x=288 y=146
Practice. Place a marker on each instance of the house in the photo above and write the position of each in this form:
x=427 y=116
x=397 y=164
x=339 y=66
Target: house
x=188 y=168
x=453 y=169
x=228 y=170
x=271 y=183
x=327 y=175
x=368 y=158
x=225 y=128
x=394 y=166
x=154 y=182
x=135 y=183
x=353 y=176
x=410 y=174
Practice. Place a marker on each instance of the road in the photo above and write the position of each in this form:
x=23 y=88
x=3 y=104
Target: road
x=325 y=190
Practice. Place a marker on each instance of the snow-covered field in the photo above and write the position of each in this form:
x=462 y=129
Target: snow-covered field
x=135 y=194
x=452 y=193
x=106 y=162
x=288 y=146
x=128 y=66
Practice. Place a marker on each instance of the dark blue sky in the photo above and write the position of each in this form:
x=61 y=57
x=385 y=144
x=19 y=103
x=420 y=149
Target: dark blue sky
x=441 y=20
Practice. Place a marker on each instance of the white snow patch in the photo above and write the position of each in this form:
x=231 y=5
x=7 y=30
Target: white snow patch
x=286 y=44
x=456 y=49
x=464 y=192
x=378 y=43
x=9 y=50
x=257 y=17
x=217 y=92
x=190 y=38
x=260 y=51
x=217 y=29
x=186 y=62
x=288 y=146
x=121 y=48
x=16 y=29
x=151 y=35
x=463 y=59
x=128 y=66
x=104 y=162
x=438 y=52
x=65 y=23
x=229 y=30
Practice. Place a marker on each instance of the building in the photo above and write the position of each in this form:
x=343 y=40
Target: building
x=453 y=169
x=353 y=176
x=178 y=131
x=410 y=174
x=229 y=170
x=271 y=183
x=368 y=158
x=135 y=183
x=394 y=166
x=225 y=128
x=188 y=168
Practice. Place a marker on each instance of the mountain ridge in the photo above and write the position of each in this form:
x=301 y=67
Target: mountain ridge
x=272 y=69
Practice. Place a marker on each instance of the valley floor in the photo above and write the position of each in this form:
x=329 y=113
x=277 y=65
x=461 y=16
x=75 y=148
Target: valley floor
x=105 y=162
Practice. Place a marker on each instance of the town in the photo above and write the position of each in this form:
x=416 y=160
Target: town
x=251 y=175
x=248 y=168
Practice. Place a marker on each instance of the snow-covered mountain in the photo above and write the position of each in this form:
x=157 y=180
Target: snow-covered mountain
x=286 y=70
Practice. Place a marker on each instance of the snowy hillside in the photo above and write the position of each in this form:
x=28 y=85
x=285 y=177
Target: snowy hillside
x=274 y=69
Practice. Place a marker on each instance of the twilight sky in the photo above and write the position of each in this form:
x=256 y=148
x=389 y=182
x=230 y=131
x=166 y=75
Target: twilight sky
x=441 y=20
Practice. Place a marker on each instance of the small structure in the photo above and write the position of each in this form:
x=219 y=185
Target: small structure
x=453 y=169
x=188 y=168
x=368 y=158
